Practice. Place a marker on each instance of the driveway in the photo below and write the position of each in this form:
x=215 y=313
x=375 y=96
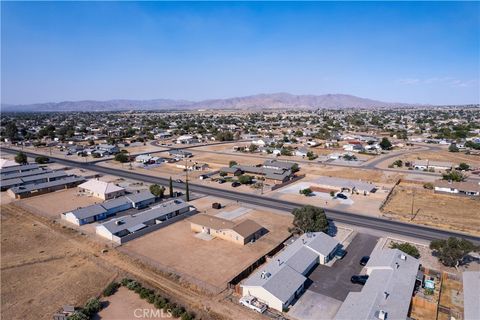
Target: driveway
x=334 y=281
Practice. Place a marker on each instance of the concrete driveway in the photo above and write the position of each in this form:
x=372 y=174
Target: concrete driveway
x=334 y=281
x=314 y=306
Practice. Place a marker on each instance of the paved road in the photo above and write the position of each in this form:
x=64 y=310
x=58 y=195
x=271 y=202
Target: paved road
x=388 y=226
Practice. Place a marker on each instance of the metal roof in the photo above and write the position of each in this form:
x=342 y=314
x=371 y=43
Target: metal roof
x=140 y=196
x=88 y=212
x=37 y=186
x=19 y=168
x=23 y=174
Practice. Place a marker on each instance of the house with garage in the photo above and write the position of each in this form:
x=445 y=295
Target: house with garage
x=388 y=291
x=432 y=165
x=281 y=280
x=341 y=184
x=239 y=233
x=180 y=153
x=279 y=165
x=101 y=189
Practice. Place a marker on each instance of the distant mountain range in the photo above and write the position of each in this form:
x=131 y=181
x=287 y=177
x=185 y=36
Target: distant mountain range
x=255 y=102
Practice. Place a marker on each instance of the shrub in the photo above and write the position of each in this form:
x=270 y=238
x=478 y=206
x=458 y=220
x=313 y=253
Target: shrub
x=78 y=315
x=188 y=316
x=92 y=306
x=407 y=248
x=160 y=302
x=178 y=311
x=42 y=159
x=111 y=289
x=428 y=186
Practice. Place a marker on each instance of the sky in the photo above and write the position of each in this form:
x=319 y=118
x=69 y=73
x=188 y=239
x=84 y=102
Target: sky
x=414 y=52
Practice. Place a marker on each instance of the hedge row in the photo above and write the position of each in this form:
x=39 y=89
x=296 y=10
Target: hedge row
x=157 y=300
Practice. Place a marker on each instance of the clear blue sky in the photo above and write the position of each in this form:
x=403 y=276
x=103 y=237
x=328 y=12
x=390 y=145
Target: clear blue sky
x=425 y=52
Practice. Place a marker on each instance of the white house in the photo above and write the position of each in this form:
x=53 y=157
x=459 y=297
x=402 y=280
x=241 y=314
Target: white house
x=461 y=188
x=281 y=280
x=101 y=189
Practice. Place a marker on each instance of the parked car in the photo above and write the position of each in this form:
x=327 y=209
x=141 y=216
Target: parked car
x=342 y=196
x=235 y=184
x=359 y=279
x=216 y=205
x=179 y=180
x=221 y=181
x=364 y=260
x=253 y=303
x=340 y=253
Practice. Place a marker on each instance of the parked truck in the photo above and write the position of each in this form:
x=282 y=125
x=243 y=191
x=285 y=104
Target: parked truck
x=253 y=303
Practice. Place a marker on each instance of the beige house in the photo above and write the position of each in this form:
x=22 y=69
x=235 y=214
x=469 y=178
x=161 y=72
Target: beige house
x=239 y=233
x=101 y=189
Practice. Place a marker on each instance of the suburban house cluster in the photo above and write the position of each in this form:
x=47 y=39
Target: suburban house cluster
x=281 y=280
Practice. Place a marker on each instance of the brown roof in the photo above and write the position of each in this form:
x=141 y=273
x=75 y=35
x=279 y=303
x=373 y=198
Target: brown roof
x=211 y=221
x=462 y=186
x=246 y=228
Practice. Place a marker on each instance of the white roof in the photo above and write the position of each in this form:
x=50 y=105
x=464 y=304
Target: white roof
x=100 y=187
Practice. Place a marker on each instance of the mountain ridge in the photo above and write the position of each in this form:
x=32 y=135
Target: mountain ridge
x=270 y=101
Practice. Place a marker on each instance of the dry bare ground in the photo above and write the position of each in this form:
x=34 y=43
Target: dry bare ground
x=438 y=210
x=45 y=265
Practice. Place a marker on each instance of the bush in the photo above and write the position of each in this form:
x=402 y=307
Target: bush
x=310 y=219
x=306 y=192
x=111 y=289
x=160 y=302
x=78 y=315
x=92 y=306
x=428 y=186
x=245 y=179
x=187 y=316
x=125 y=281
x=407 y=248
x=121 y=157
x=21 y=158
x=454 y=175
x=178 y=311
x=42 y=160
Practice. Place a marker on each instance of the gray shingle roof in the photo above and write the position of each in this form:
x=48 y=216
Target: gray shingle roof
x=59 y=182
x=284 y=283
x=389 y=287
x=89 y=211
x=19 y=168
x=140 y=196
x=23 y=174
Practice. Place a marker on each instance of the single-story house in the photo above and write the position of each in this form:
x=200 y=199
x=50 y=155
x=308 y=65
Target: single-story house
x=22 y=174
x=239 y=233
x=388 y=290
x=125 y=228
x=461 y=188
x=187 y=139
x=180 y=153
x=35 y=179
x=195 y=166
x=279 y=165
x=108 y=148
x=18 y=168
x=97 y=212
x=435 y=165
x=471 y=294
x=353 y=147
x=231 y=171
x=29 y=190
x=101 y=189
x=302 y=152
x=341 y=184
x=281 y=280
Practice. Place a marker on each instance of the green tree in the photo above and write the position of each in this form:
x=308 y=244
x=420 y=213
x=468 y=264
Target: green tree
x=252 y=147
x=21 y=158
x=385 y=144
x=463 y=166
x=452 y=251
x=232 y=163
x=42 y=159
x=223 y=174
x=92 y=306
x=453 y=148
x=295 y=167
x=245 y=179
x=157 y=190
x=121 y=157
x=11 y=131
x=306 y=192
x=111 y=289
x=78 y=315
x=454 y=175
x=170 y=187
x=310 y=219
x=398 y=163
x=407 y=248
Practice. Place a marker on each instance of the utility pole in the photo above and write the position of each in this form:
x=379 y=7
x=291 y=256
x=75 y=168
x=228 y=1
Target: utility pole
x=413 y=201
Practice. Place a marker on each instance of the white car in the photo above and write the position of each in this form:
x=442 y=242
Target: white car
x=253 y=303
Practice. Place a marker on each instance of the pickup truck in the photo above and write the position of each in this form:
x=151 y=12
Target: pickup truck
x=253 y=303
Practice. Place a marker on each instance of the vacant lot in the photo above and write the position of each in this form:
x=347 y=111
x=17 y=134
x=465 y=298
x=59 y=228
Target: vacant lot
x=438 y=210
x=210 y=264
x=41 y=270
x=126 y=305
x=52 y=204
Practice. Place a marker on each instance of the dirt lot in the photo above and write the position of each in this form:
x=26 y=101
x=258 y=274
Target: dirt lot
x=52 y=204
x=208 y=264
x=126 y=305
x=438 y=210
x=41 y=271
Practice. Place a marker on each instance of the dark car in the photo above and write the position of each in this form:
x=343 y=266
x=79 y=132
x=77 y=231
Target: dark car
x=342 y=196
x=359 y=279
x=179 y=181
x=364 y=260
x=221 y=181
x=340 y=254
x=235 y=184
